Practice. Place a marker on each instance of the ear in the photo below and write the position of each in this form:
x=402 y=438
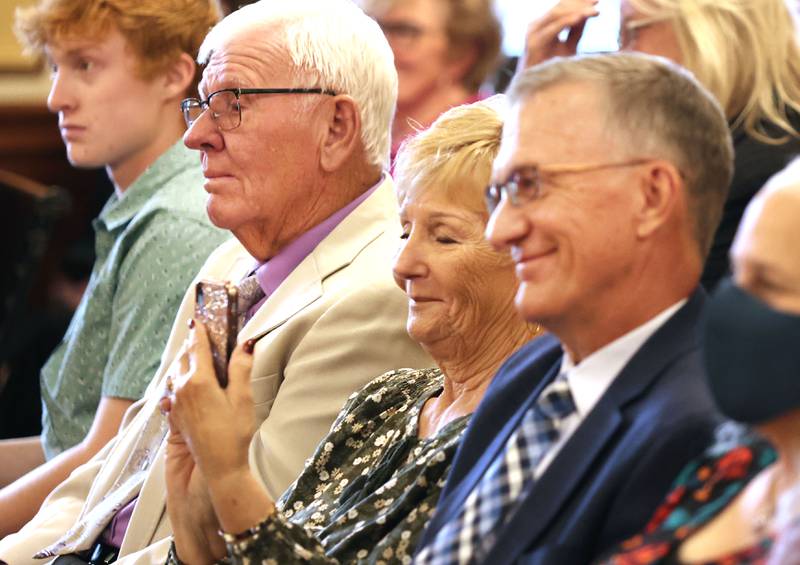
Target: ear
x=662 y=190
x=178 y=77
x=343 y=135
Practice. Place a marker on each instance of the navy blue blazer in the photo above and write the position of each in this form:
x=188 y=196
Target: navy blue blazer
x=607 y=480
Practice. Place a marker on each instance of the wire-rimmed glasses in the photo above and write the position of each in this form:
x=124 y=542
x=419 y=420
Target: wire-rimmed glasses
x=524 y=184
x=225 y=108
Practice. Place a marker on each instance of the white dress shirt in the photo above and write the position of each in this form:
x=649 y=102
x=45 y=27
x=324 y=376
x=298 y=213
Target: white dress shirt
x=589 y=379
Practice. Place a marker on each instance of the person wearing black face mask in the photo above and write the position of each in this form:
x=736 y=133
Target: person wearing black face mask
x=740 y=502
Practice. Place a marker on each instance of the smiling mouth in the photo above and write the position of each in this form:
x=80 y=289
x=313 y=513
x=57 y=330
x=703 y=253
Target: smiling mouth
x=521 y=259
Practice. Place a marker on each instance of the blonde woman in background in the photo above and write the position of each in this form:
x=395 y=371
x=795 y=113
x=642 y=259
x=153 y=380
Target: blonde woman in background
x=746 y=52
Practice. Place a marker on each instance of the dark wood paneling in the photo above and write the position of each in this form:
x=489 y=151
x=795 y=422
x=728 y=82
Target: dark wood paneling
x=30 y=145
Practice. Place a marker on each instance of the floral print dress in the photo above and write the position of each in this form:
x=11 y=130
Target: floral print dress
x=371 y=487
x=702 y=490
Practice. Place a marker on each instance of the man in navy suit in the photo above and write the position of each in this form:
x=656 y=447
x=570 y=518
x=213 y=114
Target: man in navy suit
x=609 y=186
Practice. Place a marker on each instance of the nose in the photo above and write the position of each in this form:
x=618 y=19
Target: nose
x=203 y=134
x=507 y=226
x=410 y=263
x=61 y=98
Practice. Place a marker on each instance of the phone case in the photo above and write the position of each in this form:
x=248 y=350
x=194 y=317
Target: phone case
x=216 y=308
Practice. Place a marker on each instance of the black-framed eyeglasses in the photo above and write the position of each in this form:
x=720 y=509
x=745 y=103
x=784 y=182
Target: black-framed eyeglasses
x=225 y=108
x=525 y=183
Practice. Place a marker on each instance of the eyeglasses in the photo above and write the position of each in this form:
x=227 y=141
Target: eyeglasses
x=225 y=108
x=525 y=183
x=403 y=34
x=628 y=31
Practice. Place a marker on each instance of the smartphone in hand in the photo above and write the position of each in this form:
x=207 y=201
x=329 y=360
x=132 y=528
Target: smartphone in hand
x=216 y=307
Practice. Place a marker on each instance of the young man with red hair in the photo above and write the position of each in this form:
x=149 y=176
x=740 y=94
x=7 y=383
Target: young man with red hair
x=120 y=69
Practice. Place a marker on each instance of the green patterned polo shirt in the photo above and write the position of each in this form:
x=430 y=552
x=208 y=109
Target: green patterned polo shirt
x=149 y=243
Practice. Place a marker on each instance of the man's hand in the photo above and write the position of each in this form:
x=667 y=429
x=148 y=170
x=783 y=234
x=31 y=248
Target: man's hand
x=542 y=41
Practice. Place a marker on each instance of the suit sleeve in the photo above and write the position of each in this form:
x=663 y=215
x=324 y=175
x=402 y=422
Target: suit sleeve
x=356 y=339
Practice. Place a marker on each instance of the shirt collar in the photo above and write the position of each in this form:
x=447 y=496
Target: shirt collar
x=273 y=272
x=590 y=378
x=120 y=210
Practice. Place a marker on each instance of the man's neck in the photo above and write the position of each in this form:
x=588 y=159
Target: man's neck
x=583 y=334
x=124 y=173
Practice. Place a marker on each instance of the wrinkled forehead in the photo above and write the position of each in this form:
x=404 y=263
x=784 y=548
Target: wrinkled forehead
x=563 y=122
x=246 y=59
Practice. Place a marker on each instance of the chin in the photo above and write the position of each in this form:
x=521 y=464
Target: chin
x=217 y=214
x=530 y=305
x=421 y=335
x=82 y=161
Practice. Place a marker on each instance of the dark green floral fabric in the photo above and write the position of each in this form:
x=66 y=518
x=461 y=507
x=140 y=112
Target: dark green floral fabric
x=369 y=490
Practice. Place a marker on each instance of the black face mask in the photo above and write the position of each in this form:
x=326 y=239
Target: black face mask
x=752 y=354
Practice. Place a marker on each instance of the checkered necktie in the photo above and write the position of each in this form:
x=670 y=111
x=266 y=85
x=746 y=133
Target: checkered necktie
x=469 y=536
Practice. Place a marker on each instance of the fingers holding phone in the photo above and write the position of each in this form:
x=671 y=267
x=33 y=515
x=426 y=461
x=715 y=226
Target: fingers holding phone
x=543 y=38
x=217 y=424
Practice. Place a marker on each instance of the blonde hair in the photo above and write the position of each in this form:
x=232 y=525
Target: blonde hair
x=661 y=112
x=459 y=147
x=158 y=31
x=745 y=52
x=333 y=44
x=469 y=23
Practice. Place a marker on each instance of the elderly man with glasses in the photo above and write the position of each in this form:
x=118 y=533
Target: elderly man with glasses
x=609 y=185
x=292 y=130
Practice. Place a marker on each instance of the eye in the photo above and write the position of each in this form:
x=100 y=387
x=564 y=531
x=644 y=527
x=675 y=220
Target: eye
x=446 y=240
x=526 y=183
x=405 y=235
x=84 y=65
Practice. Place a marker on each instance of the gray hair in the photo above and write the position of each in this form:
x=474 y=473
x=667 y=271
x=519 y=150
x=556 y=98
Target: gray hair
x=661 y=111
x=333 y=43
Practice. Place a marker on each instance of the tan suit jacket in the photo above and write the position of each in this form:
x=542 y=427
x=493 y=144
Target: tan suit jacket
x=334 y=324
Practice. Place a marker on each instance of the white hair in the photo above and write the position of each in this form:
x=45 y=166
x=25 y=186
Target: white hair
x=335 y=44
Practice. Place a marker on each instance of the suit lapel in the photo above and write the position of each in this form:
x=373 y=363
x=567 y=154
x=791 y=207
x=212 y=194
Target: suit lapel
x=551 y=491
x=302 y=287
x=455 y=500
x=304 y=284
x=149 y=508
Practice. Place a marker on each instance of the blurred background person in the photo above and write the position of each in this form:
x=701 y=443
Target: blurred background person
x=730 y=505
x=374 y=481
x=443 y=51
x=119 y=71
x=745 y=52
